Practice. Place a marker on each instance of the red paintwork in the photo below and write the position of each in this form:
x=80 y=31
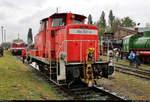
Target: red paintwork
x=17 y=47
x=74 y=47
x=145 y=53
x=50 y=47
x=14 y=45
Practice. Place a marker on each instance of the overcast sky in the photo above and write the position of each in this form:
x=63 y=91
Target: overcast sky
x=17 y=16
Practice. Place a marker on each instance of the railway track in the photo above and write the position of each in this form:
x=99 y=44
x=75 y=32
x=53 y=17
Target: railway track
x=78 y=91
x=137 y=69
x=140 y=73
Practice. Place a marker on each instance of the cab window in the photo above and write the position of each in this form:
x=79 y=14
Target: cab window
x=18 y=41
x=77 y=21
x=57 y=22
x=41 y=26
x=47 y=25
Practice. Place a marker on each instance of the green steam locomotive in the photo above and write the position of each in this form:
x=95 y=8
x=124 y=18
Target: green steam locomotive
x=138 y=42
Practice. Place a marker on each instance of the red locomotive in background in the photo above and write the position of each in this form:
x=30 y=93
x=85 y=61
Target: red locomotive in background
x=67 y=49
x=17 y=46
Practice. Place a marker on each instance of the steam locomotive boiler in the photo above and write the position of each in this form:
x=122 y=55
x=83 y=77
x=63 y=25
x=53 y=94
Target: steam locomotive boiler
x=66 y=50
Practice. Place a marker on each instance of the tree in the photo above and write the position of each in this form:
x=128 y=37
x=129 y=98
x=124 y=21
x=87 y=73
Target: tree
x=6 y=45
x=111 y=20
x=116 y=24
x=30 y=38
x=90 y=19
x=127 y=22
x=102 y=21
x=102 y=24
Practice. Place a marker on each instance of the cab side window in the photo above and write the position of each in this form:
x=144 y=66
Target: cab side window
x=41 y=26
x=47 y=25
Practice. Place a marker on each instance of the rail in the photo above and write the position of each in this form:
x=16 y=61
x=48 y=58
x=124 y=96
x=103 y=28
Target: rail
x=79 y=90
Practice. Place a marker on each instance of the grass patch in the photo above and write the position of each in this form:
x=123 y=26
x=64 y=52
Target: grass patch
x=17 y=82
x=138 y=89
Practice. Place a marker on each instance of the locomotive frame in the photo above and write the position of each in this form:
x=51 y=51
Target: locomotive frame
x=68 y=51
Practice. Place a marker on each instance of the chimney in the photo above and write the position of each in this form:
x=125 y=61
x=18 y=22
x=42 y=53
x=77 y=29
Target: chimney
x=136 y=29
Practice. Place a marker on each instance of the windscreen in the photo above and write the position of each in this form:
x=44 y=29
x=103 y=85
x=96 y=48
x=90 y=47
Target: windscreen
x=77 y=21
x=18 y=41
x=57 y=22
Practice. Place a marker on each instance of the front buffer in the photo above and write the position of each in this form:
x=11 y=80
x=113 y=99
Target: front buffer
x=89 y=70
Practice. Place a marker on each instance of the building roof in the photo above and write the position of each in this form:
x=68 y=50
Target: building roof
x=140 y=29
x=128 y=36
x=129 y=28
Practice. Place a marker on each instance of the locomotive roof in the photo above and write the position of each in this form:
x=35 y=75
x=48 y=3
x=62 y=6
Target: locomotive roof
x=18 y=40
x=64 y=14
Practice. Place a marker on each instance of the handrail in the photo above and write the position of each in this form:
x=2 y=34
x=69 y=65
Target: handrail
x=81 y=40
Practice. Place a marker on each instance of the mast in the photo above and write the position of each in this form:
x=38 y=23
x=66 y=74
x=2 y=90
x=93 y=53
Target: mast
x=18 y=35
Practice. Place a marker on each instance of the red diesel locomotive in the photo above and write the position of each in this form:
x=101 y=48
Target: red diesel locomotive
x=17 y=46
x=66 y=50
